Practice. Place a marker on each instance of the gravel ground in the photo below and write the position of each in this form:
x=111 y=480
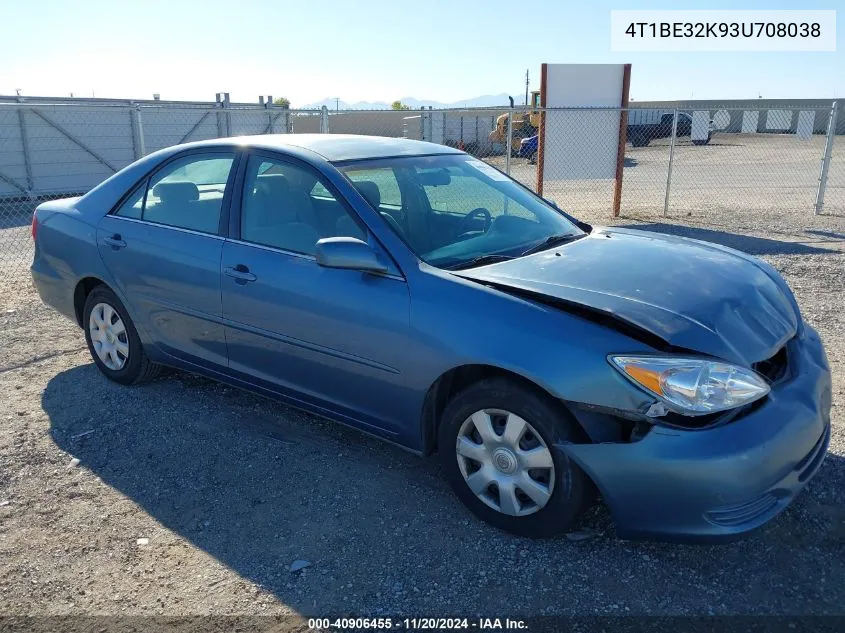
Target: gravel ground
x=187 y=497
x=736 y=173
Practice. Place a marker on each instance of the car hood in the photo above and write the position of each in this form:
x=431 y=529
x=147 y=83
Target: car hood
x=693 y=295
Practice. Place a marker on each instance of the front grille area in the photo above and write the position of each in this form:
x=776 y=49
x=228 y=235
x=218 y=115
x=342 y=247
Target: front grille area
x=774 y=368
x=768 y=502
x=743 y=512
x=807 y=466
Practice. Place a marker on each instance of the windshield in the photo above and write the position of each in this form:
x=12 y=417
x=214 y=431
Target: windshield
x=453 y=209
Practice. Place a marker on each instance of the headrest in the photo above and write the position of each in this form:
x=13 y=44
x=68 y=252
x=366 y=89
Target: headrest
x=274 y=184
x=370 y=191
x=176 y=191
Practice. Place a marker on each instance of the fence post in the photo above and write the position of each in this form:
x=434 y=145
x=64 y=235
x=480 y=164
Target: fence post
x=508 y=134
x=228 y=116
x=623 y=138
x=133 y=132
x=828 y=153
x=138 y=143
x=324 y=120
x=221 y=121
x=671 y=160
x=26 y=158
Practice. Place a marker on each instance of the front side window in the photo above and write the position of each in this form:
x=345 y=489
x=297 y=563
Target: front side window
x=187 y=193
x=289 y=207
x=384 y=180
x=455 y=209
x=133 y=206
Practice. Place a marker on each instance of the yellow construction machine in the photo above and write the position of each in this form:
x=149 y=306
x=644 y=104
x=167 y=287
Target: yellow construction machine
x=524 y=124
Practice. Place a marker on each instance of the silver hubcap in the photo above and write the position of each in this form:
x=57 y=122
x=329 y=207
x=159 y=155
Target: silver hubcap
x=108 y=335
x=505 y=462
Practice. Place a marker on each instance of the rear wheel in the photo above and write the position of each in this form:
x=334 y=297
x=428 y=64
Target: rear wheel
x=113 y=341
x=639 y=139
x=496 y=441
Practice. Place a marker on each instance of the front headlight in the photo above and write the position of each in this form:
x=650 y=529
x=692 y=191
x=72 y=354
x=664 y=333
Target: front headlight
x=693 y=386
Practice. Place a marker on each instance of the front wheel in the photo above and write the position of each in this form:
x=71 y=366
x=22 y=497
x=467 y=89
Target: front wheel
x=639 y=139
x=496 y=440
x=113 y=341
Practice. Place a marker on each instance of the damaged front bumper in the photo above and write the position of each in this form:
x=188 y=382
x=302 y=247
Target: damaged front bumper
x=722 y=481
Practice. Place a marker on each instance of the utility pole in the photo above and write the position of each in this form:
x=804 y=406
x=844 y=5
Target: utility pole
x=337 y=104
x=526 y=87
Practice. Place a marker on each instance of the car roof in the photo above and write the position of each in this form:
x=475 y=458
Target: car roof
x=336 y=147
x=330 y=147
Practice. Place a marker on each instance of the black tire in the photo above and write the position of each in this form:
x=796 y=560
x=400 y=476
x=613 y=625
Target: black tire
x=573 y=491
x=639 y=139
x=703 y=141
x=138 y=368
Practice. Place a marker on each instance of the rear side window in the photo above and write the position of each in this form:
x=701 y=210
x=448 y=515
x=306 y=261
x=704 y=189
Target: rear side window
x=187 y=193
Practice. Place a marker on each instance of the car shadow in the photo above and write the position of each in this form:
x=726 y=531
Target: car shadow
x=829 y=234
x=258 y=485
x=746 y=243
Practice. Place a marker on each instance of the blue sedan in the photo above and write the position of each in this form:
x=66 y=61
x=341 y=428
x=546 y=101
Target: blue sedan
x=420 y=295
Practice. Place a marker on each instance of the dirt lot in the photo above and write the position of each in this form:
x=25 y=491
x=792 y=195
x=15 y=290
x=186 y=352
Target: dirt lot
x=735 y=173
x=230 y=489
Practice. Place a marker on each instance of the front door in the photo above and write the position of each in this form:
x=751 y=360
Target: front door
x=333 y=340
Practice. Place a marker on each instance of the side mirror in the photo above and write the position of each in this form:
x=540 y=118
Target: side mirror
x=350 y=253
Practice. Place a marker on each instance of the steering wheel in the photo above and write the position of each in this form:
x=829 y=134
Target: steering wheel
x=466 y=227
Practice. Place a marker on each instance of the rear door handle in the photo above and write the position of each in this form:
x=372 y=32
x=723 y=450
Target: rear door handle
x=240 y=273
x=115 y=241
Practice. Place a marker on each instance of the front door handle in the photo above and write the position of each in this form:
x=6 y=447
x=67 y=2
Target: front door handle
x=115 y=241
x=240 y=273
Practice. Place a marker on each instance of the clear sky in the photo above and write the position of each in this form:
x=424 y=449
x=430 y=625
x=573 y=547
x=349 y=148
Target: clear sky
x=370 y=50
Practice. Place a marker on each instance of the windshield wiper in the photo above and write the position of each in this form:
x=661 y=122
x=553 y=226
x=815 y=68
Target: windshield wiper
x=552 y=240
x=479 y=261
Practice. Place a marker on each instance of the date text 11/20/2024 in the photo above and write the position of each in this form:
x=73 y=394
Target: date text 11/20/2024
x=418 y=624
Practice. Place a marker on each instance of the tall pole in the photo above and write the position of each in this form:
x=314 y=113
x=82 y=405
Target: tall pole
x=671 y=159
x=508 y=141
x=526 y=87
x=541 y=132
x=828 y=152
x=623 y=137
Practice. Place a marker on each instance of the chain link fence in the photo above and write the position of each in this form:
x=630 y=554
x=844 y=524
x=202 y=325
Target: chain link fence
x=758 y=166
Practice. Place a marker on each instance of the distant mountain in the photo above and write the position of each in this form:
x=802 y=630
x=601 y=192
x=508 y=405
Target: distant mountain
x=484 y=101
x=340 y=104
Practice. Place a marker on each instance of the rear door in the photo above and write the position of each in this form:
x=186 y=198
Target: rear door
x=163 y=245
x=332 y=339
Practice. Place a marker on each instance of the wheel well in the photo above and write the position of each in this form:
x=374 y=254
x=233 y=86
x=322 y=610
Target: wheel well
x=456 y=380
x=80 y=294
